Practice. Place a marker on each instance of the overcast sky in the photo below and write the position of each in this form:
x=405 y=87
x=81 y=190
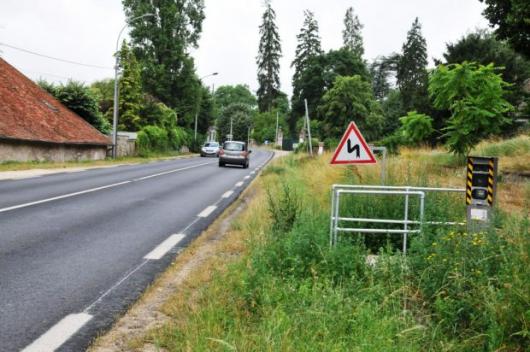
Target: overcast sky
x=86 y=31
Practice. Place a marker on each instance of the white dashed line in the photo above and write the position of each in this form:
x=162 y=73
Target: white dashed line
x=253 y=172
x=206 y=212
x=227 y=194
x=165 y=247
x=239 y=184
x=59 y=333
x=246 y=177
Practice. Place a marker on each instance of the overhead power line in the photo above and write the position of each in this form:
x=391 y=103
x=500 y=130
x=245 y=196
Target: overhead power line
x=54 y=58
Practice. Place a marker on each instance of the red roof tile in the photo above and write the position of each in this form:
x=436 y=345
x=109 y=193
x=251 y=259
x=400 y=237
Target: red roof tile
x=27 y=112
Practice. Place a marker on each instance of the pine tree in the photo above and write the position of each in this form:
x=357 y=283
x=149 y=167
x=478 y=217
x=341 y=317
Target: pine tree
x=412 y=76
x=130 y=87
x=308 y=47
x=268 y=60
x=351 y=35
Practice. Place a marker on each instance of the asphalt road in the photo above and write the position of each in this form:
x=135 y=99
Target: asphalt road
x=77 y=249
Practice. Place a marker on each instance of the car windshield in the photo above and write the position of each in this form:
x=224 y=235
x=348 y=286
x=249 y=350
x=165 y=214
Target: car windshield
x=234 y=146
x=211 y=144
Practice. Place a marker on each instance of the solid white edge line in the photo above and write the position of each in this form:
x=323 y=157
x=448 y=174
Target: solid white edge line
x=206 y=212
x=227 y=194
x=239 y=184
x=59 y=333
x=63 y=196
x=25 y=205
x=165 y=247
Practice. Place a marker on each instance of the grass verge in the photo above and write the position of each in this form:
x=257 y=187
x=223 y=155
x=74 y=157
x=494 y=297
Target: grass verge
x=289 y=291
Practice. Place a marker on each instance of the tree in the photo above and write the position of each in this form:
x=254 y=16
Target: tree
x=308 y=47
x=241 y=117
x=104 y=91
x=320 y=75
x=474 y=95
x=351 y=35
x=412 y=76
x=415 y=128
x=380 y=71
x=161 y=43
x=392 y=110
x=81 y=100
x=512 y=20
x=482 y=47
x=227 y=95
x=268 y=60
x=206 y=115
x=130 y=88
x=350 y=99
x=264 y=126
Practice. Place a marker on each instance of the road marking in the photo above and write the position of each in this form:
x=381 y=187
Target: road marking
x=59 y=333
x=69 y=195
x=170 y=171
x=239 y=184
x=246 y=177
x=63 y=196
x=165 y=247
x=253 y=172
x=227 y=194
x=206 y=212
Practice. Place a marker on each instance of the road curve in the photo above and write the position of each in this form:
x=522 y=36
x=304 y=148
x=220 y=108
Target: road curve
x=77 y=248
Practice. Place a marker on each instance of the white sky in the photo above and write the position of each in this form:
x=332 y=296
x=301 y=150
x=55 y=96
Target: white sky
x=86 y=31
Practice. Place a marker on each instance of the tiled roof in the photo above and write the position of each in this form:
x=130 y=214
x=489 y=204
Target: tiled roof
x=29 y=113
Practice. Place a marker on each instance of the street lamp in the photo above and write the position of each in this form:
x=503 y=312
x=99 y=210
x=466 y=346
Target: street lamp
x=197 y=113
x=116 y=93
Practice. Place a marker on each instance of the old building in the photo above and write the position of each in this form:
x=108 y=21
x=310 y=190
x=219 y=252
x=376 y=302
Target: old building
x=35 y=126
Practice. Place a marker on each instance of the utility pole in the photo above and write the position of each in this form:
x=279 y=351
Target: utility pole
x=116 y=92
x=231 y=135
x=308 y=127
x=197 y=113
x=276 y=138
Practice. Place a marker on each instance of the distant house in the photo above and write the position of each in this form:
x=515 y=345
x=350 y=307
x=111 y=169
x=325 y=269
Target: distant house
x=35 y=126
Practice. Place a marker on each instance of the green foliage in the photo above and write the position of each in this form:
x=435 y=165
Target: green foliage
x=239 y=94
x=130 y=88
x=415 y=128
x=412 y=77
x=264 y=126
x=351 y=99
x=284 y=209
x=319 y=76
x=240 y=115
x=81 y=100
x=511 y=17
x=104 y=91
x=268 y=60
x=392 y=110
x=474 y=95
x=161 y=43
x=351 y=35
x=380 y=70
x=155 y=139
x=483 y=48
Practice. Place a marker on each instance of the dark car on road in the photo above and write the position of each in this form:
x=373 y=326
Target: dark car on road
x=234 y=152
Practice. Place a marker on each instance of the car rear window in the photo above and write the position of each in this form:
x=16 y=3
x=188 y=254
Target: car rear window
x=211 y=144
x=234 y=146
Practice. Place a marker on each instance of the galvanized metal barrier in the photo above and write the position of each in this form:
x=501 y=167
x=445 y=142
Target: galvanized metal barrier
x=338 y=190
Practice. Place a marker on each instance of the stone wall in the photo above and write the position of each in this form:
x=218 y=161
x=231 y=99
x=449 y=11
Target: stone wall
x=27 y=151
x=126 y=146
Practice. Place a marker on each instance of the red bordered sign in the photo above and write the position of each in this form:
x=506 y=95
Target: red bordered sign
x=353 y=149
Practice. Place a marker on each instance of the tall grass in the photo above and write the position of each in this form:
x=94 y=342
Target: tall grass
x=291 y=291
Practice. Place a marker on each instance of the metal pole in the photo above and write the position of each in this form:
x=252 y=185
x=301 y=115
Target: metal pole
x=308 y=127
x=405 y=225
x=231 y=135
x=116 y=91
x=115 y=112
x=276 y=138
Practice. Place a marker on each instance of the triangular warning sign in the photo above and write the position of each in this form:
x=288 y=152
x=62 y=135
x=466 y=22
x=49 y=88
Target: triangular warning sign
x=353 y=149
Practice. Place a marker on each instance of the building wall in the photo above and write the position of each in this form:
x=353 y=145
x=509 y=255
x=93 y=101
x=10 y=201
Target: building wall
x=126 y=146
x=24 y=151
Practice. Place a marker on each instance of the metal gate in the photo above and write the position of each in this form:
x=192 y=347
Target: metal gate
x=409 y=226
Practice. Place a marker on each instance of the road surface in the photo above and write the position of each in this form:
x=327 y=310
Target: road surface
x=76 y=249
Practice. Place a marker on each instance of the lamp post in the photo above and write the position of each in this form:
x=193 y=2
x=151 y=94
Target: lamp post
x=116 y=92
x=197 y=113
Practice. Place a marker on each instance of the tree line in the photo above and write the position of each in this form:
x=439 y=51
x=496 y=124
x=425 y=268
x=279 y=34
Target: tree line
x=476 y=90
